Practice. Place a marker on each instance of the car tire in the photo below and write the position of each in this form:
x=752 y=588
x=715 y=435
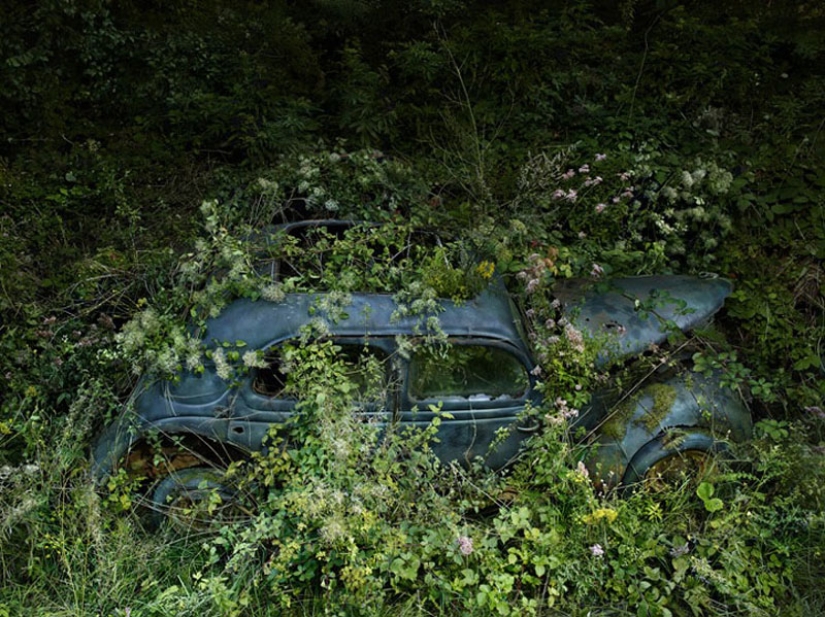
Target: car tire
x=669 y=460
x=191 y=498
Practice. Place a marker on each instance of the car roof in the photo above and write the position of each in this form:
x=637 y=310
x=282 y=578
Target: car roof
x=260 y=324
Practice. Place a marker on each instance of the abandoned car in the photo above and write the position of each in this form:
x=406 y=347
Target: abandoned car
x=482 y=383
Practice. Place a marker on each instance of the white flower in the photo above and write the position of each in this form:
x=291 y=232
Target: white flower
x=222 y=368
x=273 y=293
x=254 y=359
x=596 y=550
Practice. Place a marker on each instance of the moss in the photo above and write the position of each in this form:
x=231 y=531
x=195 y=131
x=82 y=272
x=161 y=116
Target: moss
x=663 y=396
x=616 y=425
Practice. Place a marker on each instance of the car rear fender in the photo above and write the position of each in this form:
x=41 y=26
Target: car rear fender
x=668 y=410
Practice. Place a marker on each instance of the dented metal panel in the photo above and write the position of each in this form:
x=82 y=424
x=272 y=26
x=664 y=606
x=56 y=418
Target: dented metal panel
x=634 y=313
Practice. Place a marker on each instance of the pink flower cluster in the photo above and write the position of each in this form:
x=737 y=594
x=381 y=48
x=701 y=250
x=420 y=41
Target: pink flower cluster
x=465 y=545
x=534 y=272
x=563 y=413
x=574 y=337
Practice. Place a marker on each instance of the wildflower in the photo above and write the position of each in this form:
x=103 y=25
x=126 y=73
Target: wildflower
x=568 y=174
x=596 y=550
x=601 y=157
x=273 y=293
x=550 y=324
x=254 y=359
x=532 y=285
x=575 y=338
x=608 y=514
x=582 y=235
x=222 y=368
x=584 y=169
x=582 y=469
x=600 y=208
x=465 y=545
x=596 y=271
x=563 y=414
x=193 y=361
x=486 y=269
x=571 y=195
x=816 y=411
x=536 y=371
x=558 y=194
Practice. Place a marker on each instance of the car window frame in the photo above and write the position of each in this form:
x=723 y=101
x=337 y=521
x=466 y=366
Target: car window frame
x=456 y=403
x=280 y=402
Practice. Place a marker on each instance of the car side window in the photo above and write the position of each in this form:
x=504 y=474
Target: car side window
x=365 y=366
x=270 y=380
x=472 y=372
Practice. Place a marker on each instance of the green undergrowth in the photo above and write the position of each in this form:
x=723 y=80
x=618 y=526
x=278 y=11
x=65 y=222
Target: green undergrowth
x=342 y=517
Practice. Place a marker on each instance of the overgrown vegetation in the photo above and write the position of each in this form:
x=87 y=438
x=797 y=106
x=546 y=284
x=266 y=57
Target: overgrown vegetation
x=147 y=147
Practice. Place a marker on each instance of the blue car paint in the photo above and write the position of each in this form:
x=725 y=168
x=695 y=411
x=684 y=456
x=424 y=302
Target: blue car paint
x=631 y=313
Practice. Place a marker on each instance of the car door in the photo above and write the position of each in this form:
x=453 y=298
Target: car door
x=263 y=399
x=481 y=388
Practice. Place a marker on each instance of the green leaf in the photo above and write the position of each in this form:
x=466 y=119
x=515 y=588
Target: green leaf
x=714 y=505
x=705 y=491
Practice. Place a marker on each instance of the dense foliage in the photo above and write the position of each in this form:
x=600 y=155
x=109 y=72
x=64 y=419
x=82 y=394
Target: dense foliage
x=146 y=143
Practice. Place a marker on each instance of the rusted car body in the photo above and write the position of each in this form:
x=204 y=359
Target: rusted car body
x=485 y=384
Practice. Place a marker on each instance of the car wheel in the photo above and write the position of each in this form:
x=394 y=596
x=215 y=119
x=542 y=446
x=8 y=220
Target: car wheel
x=163 y=473
x=193 y=498
x=670 y=461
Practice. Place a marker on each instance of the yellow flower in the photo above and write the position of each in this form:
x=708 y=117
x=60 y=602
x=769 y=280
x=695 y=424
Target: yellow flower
x=485 y=269
x=609 y=514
